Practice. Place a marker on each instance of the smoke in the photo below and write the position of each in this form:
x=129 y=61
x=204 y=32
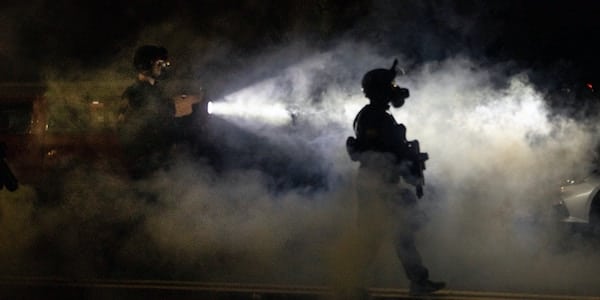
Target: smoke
x=497 y=155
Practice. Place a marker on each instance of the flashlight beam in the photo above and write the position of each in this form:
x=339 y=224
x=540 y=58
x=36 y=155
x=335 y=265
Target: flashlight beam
x=273 y=114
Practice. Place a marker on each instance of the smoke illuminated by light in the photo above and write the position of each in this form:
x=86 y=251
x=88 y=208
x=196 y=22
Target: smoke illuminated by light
x=495 y=155
x=260 y=102
x=494 y=152
x=275 y=114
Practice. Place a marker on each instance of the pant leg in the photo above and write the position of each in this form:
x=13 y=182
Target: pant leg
x=405 y=203
x=409 y=256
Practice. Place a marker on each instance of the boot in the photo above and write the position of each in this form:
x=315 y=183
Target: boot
x=425 y=287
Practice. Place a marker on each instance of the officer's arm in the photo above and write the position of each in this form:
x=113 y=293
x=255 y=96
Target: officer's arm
x=369 y=131
x=393 y=135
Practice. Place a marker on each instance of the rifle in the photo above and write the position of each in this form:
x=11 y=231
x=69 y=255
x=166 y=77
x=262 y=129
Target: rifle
x=7 y=178
x=417 y=166
x=410 y=151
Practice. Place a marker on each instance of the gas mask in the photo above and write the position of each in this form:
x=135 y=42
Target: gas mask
x=398 y=95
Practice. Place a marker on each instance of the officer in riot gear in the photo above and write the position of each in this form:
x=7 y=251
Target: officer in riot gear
x=390 y=176
x=154 y=124
x=147 y=115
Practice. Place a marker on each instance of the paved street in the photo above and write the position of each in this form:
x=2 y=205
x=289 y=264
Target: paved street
x=63 y=288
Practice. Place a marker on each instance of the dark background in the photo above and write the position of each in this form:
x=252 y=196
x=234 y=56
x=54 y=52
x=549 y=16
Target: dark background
x=554 y=36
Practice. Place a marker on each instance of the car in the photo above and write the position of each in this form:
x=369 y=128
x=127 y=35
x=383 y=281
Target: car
x=579 y=203
x=36 y=144
x=45 y=138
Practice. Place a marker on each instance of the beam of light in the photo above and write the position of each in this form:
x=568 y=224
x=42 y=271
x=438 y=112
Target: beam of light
x=260 y=102
x=275 y=114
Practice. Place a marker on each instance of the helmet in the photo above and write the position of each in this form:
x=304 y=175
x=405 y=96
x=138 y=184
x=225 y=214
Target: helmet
x=377 y=80
x=378 y=85
x=146 y=55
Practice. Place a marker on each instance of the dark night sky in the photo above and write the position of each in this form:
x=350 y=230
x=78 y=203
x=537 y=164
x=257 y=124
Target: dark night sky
x=535 y=34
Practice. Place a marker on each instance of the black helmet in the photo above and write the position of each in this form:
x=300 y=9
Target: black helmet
x=378 y=85
x=146 y=55
x=377 y=79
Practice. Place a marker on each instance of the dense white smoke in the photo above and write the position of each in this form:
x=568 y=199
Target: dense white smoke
x=496 y=159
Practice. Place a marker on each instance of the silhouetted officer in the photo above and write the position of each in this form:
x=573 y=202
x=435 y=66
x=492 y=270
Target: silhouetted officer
x=390 y=168
x=147 y=116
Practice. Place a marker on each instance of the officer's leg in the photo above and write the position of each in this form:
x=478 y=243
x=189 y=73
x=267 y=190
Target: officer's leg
x=407 y=251
x=404 y=235
x=410 y=257
x=370 y=227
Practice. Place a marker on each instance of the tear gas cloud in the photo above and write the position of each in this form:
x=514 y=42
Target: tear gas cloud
x=497 y=155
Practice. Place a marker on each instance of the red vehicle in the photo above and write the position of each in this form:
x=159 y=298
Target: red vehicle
x=37 y=144
x=43 y=135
